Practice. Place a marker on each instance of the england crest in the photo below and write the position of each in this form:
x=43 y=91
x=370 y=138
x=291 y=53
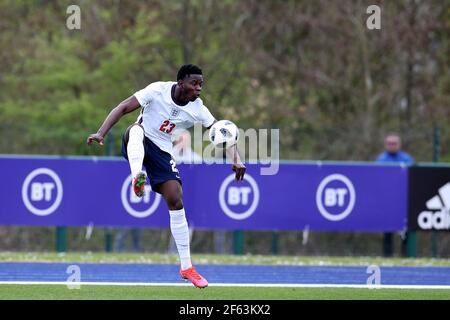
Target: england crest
x=174 y=113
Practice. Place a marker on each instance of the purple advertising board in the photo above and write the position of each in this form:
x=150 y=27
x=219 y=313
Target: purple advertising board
x=57 y=191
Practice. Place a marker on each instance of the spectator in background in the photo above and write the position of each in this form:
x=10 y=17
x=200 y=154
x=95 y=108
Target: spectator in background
x=393 y=154
x=392 y=151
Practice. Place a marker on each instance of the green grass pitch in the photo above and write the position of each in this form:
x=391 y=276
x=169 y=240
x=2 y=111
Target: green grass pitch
x=100 y=292
x=93 y=292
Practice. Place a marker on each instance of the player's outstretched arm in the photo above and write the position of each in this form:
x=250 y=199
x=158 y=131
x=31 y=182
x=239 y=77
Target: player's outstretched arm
x=128 y=105
x=238 y=166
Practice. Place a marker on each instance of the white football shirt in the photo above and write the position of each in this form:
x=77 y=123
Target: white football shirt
x=160 y=115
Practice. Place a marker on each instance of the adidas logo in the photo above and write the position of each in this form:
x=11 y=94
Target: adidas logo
x=439 y=217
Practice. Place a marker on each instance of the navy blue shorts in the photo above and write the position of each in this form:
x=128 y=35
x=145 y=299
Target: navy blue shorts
x=160 y=165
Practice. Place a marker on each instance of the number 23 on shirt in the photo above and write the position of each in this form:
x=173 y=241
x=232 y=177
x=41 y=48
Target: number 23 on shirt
x=167 y=126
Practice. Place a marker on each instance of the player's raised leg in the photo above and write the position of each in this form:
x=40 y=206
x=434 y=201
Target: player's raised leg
x=136 y=153
x=173 y=194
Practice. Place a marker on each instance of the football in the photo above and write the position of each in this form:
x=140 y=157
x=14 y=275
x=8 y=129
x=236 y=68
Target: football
x=224 y=133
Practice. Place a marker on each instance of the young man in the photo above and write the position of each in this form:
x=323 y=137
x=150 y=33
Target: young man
x=164 y=107
x=393 y=153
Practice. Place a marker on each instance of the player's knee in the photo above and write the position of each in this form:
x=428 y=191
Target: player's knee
x=175 y=203
x=174 y=200
x=173 y=194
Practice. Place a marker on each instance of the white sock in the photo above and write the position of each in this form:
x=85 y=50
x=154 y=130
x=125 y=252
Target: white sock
x=180 y=232
x=135 y=149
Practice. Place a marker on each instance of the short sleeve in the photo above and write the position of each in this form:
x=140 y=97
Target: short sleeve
x=145 y=96
x=206 y=117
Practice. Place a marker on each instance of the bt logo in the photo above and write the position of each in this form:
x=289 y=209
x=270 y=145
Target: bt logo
x=238 y=195
x=335 y=197
x=239 y=200
x=139 y=207
x=42 y=191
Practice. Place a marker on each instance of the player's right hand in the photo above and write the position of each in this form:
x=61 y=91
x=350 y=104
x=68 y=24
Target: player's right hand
x=95 y=137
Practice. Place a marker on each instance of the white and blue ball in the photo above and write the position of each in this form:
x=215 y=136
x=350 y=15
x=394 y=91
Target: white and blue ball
x=224 y=133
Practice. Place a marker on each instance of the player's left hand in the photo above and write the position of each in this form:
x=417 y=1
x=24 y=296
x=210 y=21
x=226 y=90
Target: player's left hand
x=239 y=168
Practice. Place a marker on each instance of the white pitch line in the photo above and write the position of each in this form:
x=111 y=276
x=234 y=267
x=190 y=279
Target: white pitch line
x=271 y=285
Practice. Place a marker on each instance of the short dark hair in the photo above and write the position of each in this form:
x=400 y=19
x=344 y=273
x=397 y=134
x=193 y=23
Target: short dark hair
x=188 y=69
